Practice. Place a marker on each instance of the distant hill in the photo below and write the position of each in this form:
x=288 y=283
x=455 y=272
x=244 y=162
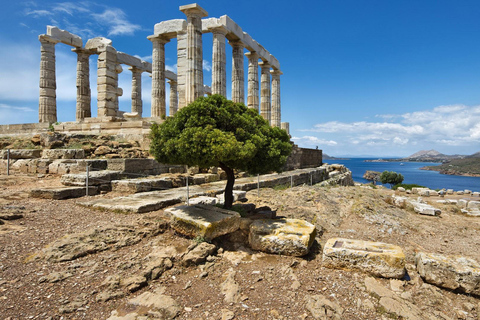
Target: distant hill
x=464 y=166
x=432 y=156
x=426 y=153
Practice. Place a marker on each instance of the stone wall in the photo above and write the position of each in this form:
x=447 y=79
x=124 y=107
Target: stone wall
x=304 y=158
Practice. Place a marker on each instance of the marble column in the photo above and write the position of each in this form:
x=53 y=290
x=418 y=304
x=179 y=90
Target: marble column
x=137 y=104
x=84 y=94
x=173 y=97
x=252 y=97
x=238 y=82
x=219 y=61
x=265 y=91
x=194 y=66
x=181 y=67
x=286 y=126
x=276 y=105
x=107 y=82
x=158 y=108
x=47 y=105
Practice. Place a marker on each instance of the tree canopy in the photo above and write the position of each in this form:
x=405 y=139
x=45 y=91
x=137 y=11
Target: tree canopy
x=216 y=132
x=391 y=177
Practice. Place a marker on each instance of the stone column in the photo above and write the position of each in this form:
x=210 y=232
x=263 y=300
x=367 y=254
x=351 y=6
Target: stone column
x=173 y=97
x=286 y=126
x=265 y=91
x=219 y=61
x=84 y=95
x=276 y=105
x=47 y=105
x=194 y=66
x=107 y=82
x=238 y=82
x=158 y=77
x=252 y=98
x=137 y=104
x=181 y=67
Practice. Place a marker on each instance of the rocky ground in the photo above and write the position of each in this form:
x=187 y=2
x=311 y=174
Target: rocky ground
x=62 y=261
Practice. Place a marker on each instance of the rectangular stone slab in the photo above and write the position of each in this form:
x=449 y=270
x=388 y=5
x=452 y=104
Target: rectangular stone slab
x=452 y=272
x=292 y=237
x=204 y=221
x=377 y=258
x=62 y=192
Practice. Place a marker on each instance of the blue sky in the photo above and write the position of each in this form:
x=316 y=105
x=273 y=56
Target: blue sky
x=361 y=77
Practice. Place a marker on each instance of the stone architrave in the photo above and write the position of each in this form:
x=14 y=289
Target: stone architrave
x=137 y=105
x=181 y=67
x=238 y=82
x=265 y=91
x=219 y=60
x=252 y=97
x=107 y=82
x=158 y=108
x=84 y=96
x=194 y=65
x=173 y=98
x=275 y=120
x=47 y=106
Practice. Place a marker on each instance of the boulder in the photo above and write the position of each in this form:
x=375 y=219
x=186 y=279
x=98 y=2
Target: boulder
x=452 y=272
x=199 y=254
x=376 y=258
x=203 y=221
x=291 y=237
x=322 y=308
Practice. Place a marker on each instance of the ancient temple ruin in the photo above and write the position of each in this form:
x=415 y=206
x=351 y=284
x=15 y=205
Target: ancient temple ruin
x=263 y=91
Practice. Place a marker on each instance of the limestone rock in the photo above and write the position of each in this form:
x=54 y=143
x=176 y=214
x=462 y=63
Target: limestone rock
x=230 y=287
x=377 y=258
x=203 y=200
x=52 y=140
x=322 y=308
x=451 y=272
x=203 y=221
x=291 y=237
x=237 y=196
x=21 y=154
x=62 y=193
x=425 y=209
x=102 y=150
x=199 y=254
x=63 y=154
x=95 y=178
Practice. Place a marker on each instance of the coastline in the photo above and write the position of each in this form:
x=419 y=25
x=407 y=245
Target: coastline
x=450 y=172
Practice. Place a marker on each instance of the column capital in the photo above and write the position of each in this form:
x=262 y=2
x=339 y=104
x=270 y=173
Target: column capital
x=193 y=10
x=172 y=82
x=236 y=43
x=276 y=72
x=48 y=39
x=135 y=69
x=83 y=51
x=158 y=38
x=264 y=65
x=251 y=55
x=219 y=30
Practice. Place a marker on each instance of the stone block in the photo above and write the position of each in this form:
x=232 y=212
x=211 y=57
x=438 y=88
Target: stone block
x=292 y=237
x=62 y=193
x=451 y=272
x=460 y=193
x=476 y=194
x=95 y=178
x=64 y=36
x=462 y=203
x=238 y=195
x=203 y=200
x=204 y=221
x=170 y=28
x=449 y=191
x=63 y=154
x=473 y=205
x=376 y=258
x=141 y=185
x=401 y=189
x=21 y=154
x=466 y=191
x=425 y=209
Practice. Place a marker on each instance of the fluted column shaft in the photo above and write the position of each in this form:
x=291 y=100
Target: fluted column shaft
x=181 y=67
x=47 y=105
x=173 y=98
x=219 y=61
x=276 y=104
x=252 y=97
x=84 y=94
x=265 y=91
x=238 y=82
x=194 y=66
x=158 y=108
x=137 y=104
x=107 y=82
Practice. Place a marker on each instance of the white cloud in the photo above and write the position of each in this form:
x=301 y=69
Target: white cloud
x=10 y=114
x=116 y=21
x=38 y=13
x=207 y=66
x=171 y=68
x=311 y=140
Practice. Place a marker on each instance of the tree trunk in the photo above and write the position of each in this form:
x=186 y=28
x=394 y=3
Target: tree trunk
x=229 y=187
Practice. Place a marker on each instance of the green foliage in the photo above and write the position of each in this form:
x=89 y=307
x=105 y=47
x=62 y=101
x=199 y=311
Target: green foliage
x=199 y=239
x=214 y=130
x=407 y=186
x=391 y=177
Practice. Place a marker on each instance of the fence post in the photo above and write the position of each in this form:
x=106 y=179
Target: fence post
x=311 y=179
x=188 y=193
x=86 y=182
x=258 y=186
x=291 y=181
x=8 y=162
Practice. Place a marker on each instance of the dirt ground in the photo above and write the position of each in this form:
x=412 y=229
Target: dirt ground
x=266 y=286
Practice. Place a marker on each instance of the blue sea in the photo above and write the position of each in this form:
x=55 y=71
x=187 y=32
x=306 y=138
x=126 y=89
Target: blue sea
x=411 y=172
